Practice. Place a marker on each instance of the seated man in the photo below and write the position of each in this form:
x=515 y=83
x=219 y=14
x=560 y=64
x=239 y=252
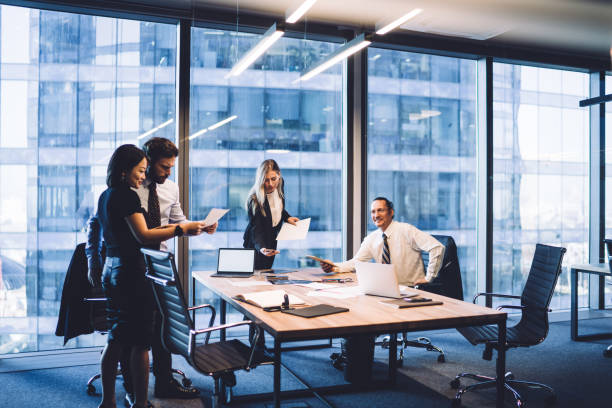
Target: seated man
x=396 y=243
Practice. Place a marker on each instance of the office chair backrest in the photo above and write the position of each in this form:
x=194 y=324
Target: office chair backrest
x=177 y=323
x=448 y=282
x=608 y=243
x=539 y=289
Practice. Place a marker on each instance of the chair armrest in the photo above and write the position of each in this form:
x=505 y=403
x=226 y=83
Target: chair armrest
x=220 y=327
x=211 y=321
x=201 y=306
x=501 y=295
x=102 y=299
x=510 y=307
x=161 y=281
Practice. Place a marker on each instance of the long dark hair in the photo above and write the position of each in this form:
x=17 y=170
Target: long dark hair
x=123 y=160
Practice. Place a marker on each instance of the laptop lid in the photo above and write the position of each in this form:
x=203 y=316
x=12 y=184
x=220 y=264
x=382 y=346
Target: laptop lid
x=377 y=279
x=236 y=261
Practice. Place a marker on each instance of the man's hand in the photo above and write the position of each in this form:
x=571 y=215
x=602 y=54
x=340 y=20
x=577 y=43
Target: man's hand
x=269 y=252
x=193 y=227
x=94 y=271
x=328 y=267
x=421 y=281
x=211 y=228
x=292 y=220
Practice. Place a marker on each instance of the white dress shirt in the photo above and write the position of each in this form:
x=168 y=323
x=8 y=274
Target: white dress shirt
x=276 y=207
x=405 y=245
x=169 y=205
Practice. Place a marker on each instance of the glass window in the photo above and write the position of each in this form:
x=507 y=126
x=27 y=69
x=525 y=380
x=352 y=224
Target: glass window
x=540 y=143
x=66 y=102
x=422 y=145
x=272 y=116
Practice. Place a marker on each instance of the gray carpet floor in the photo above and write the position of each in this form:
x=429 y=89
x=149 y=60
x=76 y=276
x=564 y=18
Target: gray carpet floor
x=578 y=372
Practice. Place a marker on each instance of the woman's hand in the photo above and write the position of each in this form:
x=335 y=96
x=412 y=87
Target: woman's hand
x=292 y=220
x=269 y=252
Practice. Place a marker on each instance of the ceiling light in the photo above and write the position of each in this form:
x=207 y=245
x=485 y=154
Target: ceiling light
x=384 y=28
x=277 y=151
x=266 y=41
x=155 y=129
x=348 y=49
x=293 y=15
x=212 y=127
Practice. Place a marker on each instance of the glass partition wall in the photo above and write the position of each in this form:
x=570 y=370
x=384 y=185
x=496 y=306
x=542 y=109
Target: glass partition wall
x=264 y=113
x=72 y=88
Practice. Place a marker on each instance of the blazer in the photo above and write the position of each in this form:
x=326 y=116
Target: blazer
x=260 y=233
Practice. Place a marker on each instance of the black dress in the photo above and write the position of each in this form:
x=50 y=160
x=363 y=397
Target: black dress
x=260 y=233
x=130 y=302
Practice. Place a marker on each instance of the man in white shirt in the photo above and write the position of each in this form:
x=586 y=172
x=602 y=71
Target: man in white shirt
x=405 y=243
x=159 y=197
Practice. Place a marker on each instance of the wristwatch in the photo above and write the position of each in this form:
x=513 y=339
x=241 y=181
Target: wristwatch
x=178 y=231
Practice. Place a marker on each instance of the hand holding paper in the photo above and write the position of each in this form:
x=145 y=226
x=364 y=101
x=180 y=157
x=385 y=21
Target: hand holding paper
x=214 y=215
x=294 y=232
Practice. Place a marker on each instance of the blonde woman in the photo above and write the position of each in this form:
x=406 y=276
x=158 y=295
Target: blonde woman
x=265 y=206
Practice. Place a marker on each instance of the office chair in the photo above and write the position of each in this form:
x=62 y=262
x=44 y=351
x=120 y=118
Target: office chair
x=220 y=359
x=529 y=331
x=608 y=351
x=447 y=283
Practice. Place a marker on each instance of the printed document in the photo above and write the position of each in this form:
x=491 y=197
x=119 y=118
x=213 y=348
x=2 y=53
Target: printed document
x=214 y=215
x=294 y=232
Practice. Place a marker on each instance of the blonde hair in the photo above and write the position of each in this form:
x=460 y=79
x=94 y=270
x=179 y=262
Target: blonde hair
x=257 y=193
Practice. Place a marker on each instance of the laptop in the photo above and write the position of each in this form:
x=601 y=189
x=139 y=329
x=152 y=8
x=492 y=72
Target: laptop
x=379 y=280
x=235 y=263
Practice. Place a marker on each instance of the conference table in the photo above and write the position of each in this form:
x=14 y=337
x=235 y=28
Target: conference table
x=366 y=315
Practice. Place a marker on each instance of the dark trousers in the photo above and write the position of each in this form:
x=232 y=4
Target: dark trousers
x=162 y=359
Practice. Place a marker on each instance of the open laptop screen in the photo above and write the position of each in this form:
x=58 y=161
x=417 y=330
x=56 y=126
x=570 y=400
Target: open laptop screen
x=236 y=260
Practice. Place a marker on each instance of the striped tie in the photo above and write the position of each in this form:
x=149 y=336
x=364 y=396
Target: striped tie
x=386 y=257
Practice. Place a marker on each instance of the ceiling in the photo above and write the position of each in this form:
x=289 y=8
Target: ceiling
x=582 y=27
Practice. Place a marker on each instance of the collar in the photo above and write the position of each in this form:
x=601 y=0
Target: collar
x=389 y=231
x=146 y=182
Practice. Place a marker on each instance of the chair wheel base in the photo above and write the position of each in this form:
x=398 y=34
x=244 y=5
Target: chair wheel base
x=441 y=358
x=608 y=352
x=455 y=384
x=456 y=403
x=186 y=382
x=91 y=390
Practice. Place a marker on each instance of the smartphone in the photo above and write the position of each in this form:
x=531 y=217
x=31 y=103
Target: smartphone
x=416 y=300
x=320 y=260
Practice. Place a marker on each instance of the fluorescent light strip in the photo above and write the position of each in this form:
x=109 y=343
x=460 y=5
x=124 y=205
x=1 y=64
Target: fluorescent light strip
x=398 y=22
x=277 y=151
x=340 y=54
x=257 y=51
x=213 y=127
x=155 y=129
x=294 y=15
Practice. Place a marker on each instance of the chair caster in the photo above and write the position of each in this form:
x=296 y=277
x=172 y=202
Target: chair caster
x=455 y=384
x=608 y=352
x=186 y=382
x=91 y=390
x=456 y=403
x=441 y=358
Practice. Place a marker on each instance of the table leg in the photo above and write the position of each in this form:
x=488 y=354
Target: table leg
x=393 y=358
x=277 y=373
x=222 y=317
x=501 y=362
x=574 y=304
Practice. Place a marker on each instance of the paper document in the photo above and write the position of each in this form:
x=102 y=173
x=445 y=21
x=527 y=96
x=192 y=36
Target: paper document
x=214 y=215
x=294 y=232
x=318 y=285
x=249 y=282
x=338 y=292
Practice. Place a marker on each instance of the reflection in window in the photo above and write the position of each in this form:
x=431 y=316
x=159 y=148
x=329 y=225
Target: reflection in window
x=422 y=145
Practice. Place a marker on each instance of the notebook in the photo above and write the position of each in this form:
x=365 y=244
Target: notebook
x=315 y=311
x=235 y=263
x=410 y=302
x=379 y=280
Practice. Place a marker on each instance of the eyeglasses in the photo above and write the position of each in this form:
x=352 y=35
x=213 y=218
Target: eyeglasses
x=337 y=280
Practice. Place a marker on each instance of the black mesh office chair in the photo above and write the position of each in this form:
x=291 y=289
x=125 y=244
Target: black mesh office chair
x=608 y=351
x=530 y=330
x=218 y=360
x=447 y=283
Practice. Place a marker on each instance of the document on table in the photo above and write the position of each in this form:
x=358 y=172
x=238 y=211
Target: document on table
x=337 y=293
x=318 y=285
x=214 y=215
x=249 y=282
x=294 y=232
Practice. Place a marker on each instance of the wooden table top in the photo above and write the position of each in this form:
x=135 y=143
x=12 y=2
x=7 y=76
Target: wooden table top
x=366 y=314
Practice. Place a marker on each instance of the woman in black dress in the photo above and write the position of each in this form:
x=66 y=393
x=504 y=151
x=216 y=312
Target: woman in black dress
x=130 y=301
x=266 y=209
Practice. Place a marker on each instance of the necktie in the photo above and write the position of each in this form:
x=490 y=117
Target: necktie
x=154 y=218
x=386 y=255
